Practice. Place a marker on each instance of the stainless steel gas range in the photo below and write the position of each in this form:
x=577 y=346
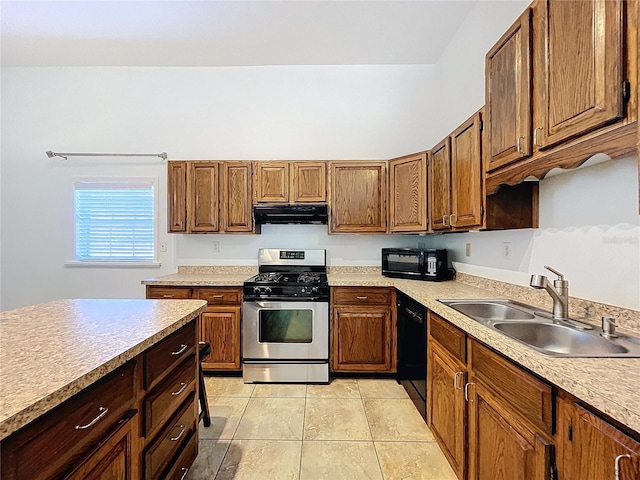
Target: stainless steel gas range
x=285 y=318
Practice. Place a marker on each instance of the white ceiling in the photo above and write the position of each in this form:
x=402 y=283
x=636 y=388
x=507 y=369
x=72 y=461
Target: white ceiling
x=227 y=33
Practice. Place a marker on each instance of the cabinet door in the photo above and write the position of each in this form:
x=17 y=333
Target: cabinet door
x=236 y=197
x=361 y=340
x=500 y=446
x=466 y=174
x=115 y=459
x=308 y=182
x=271 y=182
x=590 y=447
x=220 y=326
x=177 y=196
x=202 y=198
x=440 y=186
x=581 y=62
x=446 y=407
x=358 y=197
x=508 y=95
x=408 y=194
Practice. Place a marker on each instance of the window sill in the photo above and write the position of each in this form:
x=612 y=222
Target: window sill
x=75 y=264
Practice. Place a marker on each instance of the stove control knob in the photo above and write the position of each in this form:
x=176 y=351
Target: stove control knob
x=267 y=290
x=314 y=289
x=256 y=290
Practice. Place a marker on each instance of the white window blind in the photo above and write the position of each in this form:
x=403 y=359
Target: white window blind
x=115 y=221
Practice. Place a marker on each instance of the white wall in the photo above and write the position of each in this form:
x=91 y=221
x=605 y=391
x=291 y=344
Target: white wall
x=363 y=112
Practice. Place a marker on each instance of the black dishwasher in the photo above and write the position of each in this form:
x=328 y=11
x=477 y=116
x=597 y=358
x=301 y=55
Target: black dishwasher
x=412 y=350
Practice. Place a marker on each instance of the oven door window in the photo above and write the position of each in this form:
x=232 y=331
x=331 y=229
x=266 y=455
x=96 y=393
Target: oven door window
x=285 y=326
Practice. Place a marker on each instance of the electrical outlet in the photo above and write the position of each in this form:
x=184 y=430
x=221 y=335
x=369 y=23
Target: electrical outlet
x=216 y=246
x=506 y=249
x=163 y=246
x=468 y=249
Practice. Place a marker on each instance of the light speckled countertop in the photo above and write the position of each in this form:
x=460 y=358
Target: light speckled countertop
x=612 y=385
x=50 y=351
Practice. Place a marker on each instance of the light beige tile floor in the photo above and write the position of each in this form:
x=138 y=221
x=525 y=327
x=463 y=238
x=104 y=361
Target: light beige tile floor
x=351 y=429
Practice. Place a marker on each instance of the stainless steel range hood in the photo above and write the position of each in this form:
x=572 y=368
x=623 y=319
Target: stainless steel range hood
x=281 y=213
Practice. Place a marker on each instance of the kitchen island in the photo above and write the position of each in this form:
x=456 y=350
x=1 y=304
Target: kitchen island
x=53 y=354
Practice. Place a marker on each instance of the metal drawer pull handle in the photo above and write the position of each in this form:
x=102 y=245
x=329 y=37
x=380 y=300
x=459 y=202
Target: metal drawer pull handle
x=103 y=412
x=175 y=439
x=455 y=380
x=183 y=347
x=466 y=391
x=184 y=471
x=168 y=296
x=182 y=387
x=218 y=296
x=618 y=464
x=361 y=298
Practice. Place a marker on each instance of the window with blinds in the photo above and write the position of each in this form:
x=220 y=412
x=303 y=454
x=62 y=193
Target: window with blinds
x=115 y=221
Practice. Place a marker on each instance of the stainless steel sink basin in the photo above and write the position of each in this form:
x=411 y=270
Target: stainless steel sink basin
x=491 y=310
x=560 y=339
x=536 y=329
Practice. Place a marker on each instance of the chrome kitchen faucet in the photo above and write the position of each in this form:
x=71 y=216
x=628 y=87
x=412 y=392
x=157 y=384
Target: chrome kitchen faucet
x=559 y=292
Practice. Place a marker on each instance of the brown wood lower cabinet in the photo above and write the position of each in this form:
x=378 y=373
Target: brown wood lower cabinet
x=363 y=330
x=500 y=444
x=589 y=448
x=491 y=418
x=447 y=410
x=116 y=458
x=219 y=324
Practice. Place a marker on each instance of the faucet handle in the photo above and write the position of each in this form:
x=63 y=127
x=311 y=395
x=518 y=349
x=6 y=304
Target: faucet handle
x=560 y=275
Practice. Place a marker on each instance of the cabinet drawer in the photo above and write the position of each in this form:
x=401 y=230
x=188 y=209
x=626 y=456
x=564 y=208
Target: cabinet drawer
x=166 y=397
x=451 y=338
x=185 y=460
x=167 y=354
x=220 y=296
x=52 y=445
x=530 y=396
x=176 y=293
x=361 y=296
x=176 y=434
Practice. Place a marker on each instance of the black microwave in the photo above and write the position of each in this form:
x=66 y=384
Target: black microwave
x=416 y=263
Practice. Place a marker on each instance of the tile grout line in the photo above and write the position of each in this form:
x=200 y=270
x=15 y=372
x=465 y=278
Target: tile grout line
x=370 y=431
x=304 y=418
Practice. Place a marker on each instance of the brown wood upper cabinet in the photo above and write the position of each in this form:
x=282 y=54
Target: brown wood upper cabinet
x=579 y=58
x=508 y=95
x=235 y=204
x=209 y=197
x=408 y=194
x=290 y=182
x=456 y=179
x=358 y=197
x=177 y=196
x=556 y=87
x=202 y=198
